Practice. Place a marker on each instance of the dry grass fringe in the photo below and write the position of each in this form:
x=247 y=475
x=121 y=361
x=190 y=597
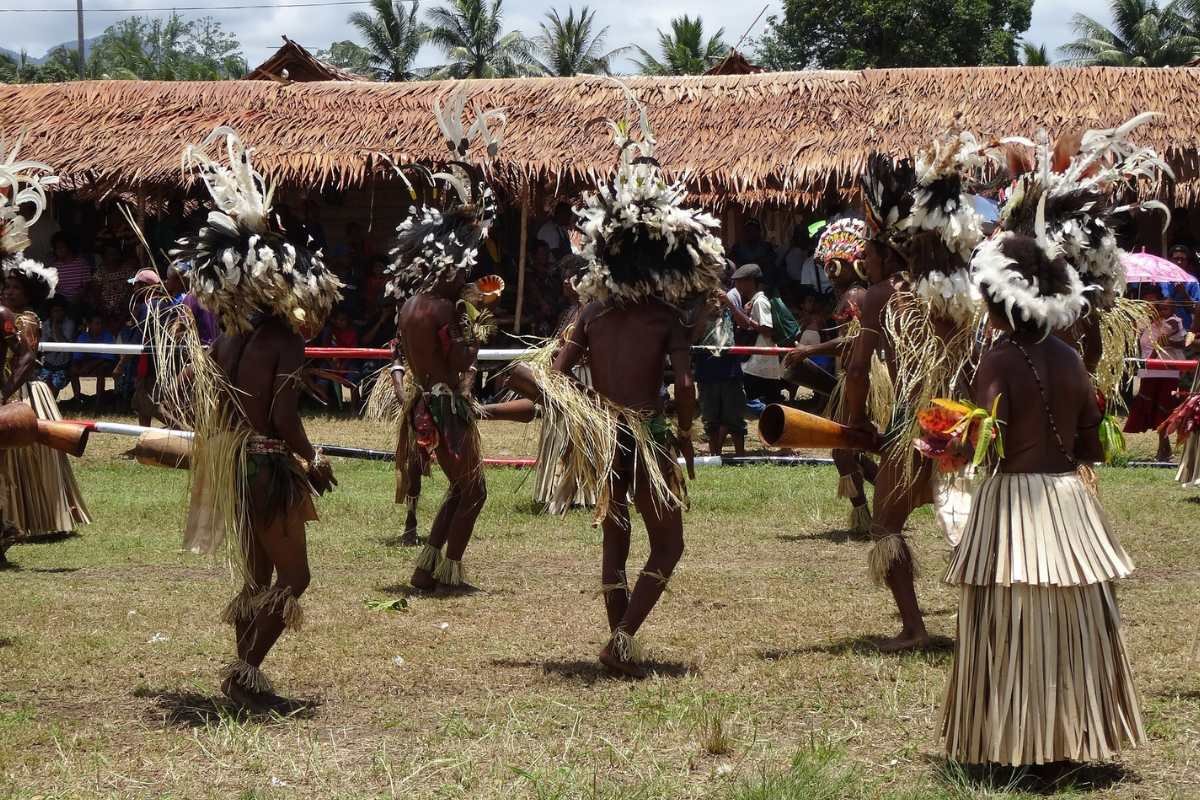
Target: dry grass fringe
x=382 y=403
x=428 y=558
x=241 y=608
x=247 y=676
x=280 y=600
x=1120 y=328
x=888 y=549
x=860 y=519
x=450 y=572
x=926 y=368
x=626 y=647
x=846 y=486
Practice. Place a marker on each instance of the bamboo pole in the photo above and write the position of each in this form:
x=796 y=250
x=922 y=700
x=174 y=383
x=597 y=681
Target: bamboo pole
x=521 y=259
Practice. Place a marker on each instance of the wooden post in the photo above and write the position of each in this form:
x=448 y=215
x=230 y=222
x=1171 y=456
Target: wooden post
x=521 y=259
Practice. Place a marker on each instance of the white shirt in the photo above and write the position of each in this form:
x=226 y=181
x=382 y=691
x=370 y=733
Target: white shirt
x=802 y=268
x=763 y=366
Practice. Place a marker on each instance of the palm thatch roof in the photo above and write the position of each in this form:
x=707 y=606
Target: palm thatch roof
x=768 y=138
x=293 y=62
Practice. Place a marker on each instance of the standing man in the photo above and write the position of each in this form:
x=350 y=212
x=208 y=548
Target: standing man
x=638 y=292
x=251 y=460
x=555 y=232
x=439 y=327
x=763 y=373
x=754 y=249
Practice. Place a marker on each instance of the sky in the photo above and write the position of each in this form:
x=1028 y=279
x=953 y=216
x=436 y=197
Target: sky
x=259 y=29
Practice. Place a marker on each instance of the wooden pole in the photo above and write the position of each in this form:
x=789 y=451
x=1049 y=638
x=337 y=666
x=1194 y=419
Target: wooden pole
x=521 y=259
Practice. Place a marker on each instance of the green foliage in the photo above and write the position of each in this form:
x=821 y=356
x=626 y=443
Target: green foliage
x=571 y=45
x=349 y=55
x=470 y=34
x=142 y=48
x=683 y=51
x=862 y=34
x=1143 y=35
x=1034 y=55
x=816 y=774
x=394 y=35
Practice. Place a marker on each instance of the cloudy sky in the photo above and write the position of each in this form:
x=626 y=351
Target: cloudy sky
x=630 y=21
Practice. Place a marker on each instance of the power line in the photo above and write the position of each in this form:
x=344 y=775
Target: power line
x=135 y=11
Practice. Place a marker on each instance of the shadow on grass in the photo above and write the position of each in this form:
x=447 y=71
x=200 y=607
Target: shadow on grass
x=9 y=566
x=7 y=641
x=939 y=648
x=589 y=672
x=441 y=593
x=186 y=709
x=1047 y=779
x=1194 y=500
x=50 y=538
x=398 y=540
x=835 y=535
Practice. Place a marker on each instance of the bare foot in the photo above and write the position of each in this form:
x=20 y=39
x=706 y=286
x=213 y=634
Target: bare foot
x=410 y=539
x=423 y=579
x=625 y=669
x=903 y=641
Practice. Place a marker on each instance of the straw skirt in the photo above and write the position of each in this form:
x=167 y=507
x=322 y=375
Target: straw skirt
x=1189 y=462
x=37 y=486
x=554 y=488
x=1040 y=670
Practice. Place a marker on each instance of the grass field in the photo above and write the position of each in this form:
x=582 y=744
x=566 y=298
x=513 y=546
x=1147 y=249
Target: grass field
x=766 y=686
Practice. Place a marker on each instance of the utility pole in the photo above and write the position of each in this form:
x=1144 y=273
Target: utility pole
x=79 y=36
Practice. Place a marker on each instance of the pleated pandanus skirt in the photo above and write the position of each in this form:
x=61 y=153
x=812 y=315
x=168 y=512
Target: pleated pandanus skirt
x=38 y=492
x=1189 y=462
x=1040 y=669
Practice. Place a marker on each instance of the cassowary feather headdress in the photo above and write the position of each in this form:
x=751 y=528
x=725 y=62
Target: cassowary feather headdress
x=639 y=239
x=844 y=241
x=1078 y=179
x=23 y=185
x=436 y=244
x=923 y=212
x=243 y=263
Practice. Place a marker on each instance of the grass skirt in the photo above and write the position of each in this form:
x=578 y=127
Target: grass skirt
x=555 y=488
x=38 y=491
x=1189 y=462
x=1040 y=670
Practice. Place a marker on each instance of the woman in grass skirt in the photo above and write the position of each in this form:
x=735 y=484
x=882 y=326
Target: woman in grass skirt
x=1040 y=672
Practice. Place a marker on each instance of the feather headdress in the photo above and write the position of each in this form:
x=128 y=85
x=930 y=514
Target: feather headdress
x=640 y=240
x=437 y=243
x=1078 y=179
x=844 y=240
x=23 y=185
x=35 y=272
x=243 y=263
x=994 y=272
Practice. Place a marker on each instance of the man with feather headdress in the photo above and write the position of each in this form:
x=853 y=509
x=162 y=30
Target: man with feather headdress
x=439 y=325
x=920 y=313
x=250 y=451
x=38 y=492
x=651 y=262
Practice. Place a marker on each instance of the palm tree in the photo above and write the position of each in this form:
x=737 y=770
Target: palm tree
x=1034 y=55
x=684 y=49
x=469 y=33
x=570 y=46
x=1143 y=35
x=394 y=36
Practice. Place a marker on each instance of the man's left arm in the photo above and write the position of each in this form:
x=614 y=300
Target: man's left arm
x=285 y=413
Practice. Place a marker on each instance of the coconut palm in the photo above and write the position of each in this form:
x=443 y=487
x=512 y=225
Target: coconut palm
x=1143 y=35
x=469 y=32
x=571 y=46
x=394 y=35
x=1034 y=55
x=684 y=50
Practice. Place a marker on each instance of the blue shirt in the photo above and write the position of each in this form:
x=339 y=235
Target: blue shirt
x=1182 y=291
x=86 y=338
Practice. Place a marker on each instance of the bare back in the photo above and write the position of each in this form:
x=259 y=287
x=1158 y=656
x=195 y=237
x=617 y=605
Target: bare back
x=433 y=343
x=627 y=348
x=1030 y=444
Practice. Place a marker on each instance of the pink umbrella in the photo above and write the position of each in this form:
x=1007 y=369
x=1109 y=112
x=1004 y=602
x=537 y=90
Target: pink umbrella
x=1145 y=267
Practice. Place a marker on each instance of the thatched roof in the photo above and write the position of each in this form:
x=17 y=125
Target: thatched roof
x=293 y=62
x=734 y=63
x=770 y=137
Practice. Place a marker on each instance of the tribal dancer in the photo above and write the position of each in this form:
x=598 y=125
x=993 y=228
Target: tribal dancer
x=921 y=312
x=841 y=251
x=250 y=448
x=384 y=404
x=1081 y=176
x=1041 y=673
x=440 y=326
x=38 y=492
x=650 y=261
x=1184 y=424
